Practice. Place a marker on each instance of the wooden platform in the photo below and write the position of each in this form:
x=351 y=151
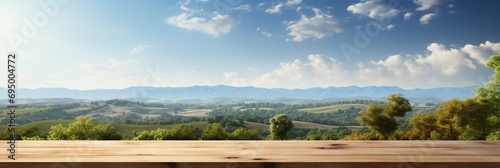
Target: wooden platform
x=265 y=154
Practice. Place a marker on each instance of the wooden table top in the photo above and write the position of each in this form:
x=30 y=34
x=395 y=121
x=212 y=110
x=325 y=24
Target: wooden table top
x=314 y=152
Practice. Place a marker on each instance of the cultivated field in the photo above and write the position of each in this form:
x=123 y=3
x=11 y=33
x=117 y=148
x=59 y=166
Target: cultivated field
x=332 y=108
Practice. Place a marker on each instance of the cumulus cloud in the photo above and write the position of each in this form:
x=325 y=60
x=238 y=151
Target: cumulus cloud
x=425 y=4
x=280 y=6
x=215 y=26
x=482 y=52
x=373 y=9
x=293 y=2
x=408 y=15
x=316 y=71
x=440 y=66
x=235 y=79
x=390 y=26
x=426 y=18
x=276 y=9
x=245 y=7
x=318 y=26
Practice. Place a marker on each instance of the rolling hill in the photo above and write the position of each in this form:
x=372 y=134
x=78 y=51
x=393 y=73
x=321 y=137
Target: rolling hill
x=230 y=92
x=332 y=108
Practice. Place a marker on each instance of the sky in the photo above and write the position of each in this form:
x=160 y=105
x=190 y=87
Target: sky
x=112 y=44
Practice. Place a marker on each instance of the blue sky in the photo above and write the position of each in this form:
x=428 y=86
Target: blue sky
x=95 y=44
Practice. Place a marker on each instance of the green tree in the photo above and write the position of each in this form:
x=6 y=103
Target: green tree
x=244 y=134
x=467 y=119
x=381 y=118
x=106 y=132
x=213 y=132
x=58 y=132
x=83 y=129
x=489 y=93
x=144 y=135
x=424 y=125
x=280 y=127
x=182 y=132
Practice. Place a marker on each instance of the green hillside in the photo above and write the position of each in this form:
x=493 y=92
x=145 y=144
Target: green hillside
x=24 y=110
x=332 y=108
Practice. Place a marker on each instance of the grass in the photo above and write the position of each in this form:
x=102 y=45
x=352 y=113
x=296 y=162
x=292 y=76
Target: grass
x=332 y=108
x=45 y=125
x=195 y=112
x=24 y=110
x=77 y=109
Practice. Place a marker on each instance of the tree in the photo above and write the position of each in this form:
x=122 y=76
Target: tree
x=213 y=132
x=424 y=125
x=244 y=134
x=280 y=127
x=489 y=93
x=106 y=132
x=468 y=119
x=182 y=132
x=448 y=118
x=83 y=129
x=381 y=118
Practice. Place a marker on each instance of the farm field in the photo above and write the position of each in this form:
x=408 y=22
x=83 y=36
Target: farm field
x=332 y=108
x=195 y=112
x=25 y=110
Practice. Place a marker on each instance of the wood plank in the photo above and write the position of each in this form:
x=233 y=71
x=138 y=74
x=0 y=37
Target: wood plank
x=260 y=151
x=256 y=151
x=250 y=165
x=260 y=144
x=274 y=159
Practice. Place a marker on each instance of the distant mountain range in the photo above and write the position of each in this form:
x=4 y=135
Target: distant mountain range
x=221 y=91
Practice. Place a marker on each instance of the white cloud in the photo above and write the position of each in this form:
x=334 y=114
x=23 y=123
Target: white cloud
x=441 y=67
x=276 y=9
x=288 y=74
x=245 y=7
x=235 y=79
x=408 y=15
x=482 y=52
x=318 y=26
x=184 y=6
x=316 y=71
x=373 y=9
x=139 y=48
x=425 y=4
x=390 y=27
x=293 y=2
x=215 y=26
x=426 y=18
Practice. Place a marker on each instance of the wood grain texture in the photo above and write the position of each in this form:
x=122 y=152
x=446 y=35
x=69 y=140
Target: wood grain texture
x=232 y=154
